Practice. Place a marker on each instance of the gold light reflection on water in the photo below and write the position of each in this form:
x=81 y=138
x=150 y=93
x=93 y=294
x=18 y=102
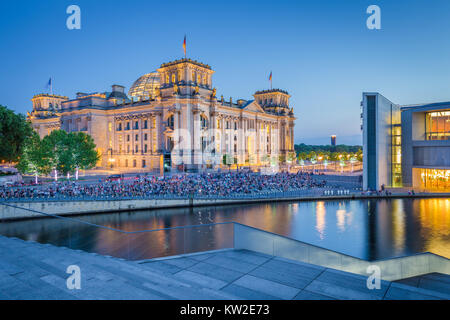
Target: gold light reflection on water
x=434 y=216
x=320 y=218
x=398 y=225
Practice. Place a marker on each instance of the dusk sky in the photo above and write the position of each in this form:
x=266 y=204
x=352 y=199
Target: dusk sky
x=321 y=52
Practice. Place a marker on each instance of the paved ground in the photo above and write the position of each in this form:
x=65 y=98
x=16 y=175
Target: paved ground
x=30 y=270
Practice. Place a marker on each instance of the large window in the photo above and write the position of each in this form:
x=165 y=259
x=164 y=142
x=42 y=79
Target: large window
x=396 y=155
x=438 y=125
x=435 y=179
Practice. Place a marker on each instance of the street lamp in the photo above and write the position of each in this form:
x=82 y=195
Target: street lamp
x=111 y=161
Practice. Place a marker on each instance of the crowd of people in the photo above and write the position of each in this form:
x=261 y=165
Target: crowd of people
x=207 y=184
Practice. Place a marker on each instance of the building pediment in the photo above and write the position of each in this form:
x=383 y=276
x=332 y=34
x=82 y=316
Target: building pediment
x=254 y=107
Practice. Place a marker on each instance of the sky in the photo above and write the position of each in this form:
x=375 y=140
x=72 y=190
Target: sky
x=321 y=52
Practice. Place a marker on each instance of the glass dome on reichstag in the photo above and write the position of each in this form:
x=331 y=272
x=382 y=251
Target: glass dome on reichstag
x=145 y=86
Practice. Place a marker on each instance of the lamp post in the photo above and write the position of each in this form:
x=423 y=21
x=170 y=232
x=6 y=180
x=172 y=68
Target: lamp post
x=314 y=161
x=111 y=161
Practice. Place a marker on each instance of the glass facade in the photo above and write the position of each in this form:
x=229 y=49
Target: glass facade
x=437 y=125
x=435 y=179
x=145 y=86
x=396 y=155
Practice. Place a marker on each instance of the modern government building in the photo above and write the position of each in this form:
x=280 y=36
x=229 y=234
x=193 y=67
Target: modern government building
x=172 y=117
x=405 y=145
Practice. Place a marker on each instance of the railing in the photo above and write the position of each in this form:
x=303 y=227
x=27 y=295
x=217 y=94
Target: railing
x=170 y=241
x=291 y=193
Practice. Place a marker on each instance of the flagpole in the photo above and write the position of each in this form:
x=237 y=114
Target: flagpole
x=51 y=86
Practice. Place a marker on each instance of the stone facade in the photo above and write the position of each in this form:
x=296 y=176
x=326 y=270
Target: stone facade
x=181 y=123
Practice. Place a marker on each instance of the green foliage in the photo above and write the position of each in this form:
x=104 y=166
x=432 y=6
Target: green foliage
x=71 y=151
x=35 y=157
x=290 y=156
x=227 y=159
x=82 y=150
x=326 y=148
x=59 y=150
x=14 y=131
x=328 y=152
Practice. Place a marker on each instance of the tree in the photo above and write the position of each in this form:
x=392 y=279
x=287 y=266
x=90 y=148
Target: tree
x=14 y=131
x=34 y=159
x=81 y=151
x=56 y=143
x=227 y=160
x=290 y=157
x=359 y=155
x=312 y=156
x=302 y=155
x=70 y=151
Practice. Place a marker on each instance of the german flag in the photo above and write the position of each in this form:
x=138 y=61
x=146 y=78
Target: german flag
x=184 y=46
x=270 y=80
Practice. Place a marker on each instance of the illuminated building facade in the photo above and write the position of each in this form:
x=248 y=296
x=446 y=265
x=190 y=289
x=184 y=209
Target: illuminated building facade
x=405 y=145
x=173 y=117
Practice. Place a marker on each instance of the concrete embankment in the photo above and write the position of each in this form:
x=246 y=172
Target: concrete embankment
x=34 y=209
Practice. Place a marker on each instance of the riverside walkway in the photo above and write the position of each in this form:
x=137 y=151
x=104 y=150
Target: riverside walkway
x=30 y=270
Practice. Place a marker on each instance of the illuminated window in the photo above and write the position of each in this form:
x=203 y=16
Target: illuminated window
x=173 y=78
x=435 y=179
x=193 y=76
x=437 y=125
x=109 y=126
x=167 y=78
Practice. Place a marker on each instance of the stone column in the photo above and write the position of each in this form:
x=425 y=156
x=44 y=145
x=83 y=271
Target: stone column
x=176 y=138
x=158 y=132
x=188 y=127
x=222 y=138
x=197 y=159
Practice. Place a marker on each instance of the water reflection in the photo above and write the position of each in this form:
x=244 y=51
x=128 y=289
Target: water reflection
x=369 y=229
x=320 y=218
